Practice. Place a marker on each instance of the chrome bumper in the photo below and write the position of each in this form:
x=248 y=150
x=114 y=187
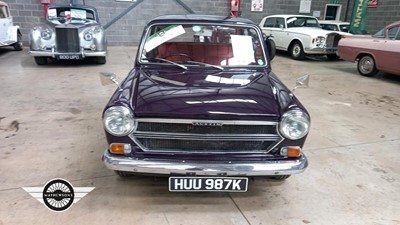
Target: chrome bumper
x=320 y=51
x=192 y=168
x=53 y=54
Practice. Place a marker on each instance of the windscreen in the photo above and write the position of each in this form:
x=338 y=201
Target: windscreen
x=199 y=44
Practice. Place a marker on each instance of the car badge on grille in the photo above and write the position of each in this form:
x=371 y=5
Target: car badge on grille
x=211 y=124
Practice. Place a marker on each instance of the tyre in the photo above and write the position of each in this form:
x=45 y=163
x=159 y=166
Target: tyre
x=271 y=49
x=280 y=177
x=40 y=60
x=296 y=51
x=18 y=45
x=332 y=57
x=366 y=66
x=123 y=173
x=101 y=60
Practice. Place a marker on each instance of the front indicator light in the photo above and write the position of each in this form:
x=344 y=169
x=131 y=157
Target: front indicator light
x=293 y=151
x=120 y=148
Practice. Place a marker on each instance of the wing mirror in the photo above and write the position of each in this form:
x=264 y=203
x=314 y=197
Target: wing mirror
x=302 y=82
x=109 y=78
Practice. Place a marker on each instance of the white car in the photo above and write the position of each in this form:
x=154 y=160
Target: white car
x=10 y=34
x=334 y=25
x=300 y=35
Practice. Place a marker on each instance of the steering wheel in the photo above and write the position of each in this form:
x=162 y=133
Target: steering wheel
x=179 y=54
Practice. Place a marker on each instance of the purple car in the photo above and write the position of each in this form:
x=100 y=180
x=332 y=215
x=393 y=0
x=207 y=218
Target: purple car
x=202 y=106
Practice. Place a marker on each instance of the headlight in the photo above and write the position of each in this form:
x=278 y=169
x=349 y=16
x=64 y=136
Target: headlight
x=295 y=124
x=45 y=34
x=320 y=40
x=88 y=36
x=118 y=121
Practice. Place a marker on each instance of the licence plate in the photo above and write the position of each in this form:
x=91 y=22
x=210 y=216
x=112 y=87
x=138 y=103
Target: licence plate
x=220 y=184
x=69 y=57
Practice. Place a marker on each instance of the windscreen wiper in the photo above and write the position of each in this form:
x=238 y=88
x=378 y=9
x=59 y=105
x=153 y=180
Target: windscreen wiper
x=165 y=60
x=205 y=64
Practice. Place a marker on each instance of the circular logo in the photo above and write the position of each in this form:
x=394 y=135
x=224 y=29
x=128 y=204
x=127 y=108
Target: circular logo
x=58 y=195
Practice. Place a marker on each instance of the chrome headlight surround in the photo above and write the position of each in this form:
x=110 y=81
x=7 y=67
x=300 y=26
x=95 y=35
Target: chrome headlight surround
x=45 y=34
x=119 y=121
x=320 y=40
x=295 y=124
x=88 y=35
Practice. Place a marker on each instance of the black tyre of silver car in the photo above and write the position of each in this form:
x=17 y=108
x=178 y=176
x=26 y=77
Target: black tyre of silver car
x=296 y=51
x=332 y=57
x=271 y=49
x=123 y=173
x=366 y=66
x=101 y=60
x=280 y=177
x=40 y=60
x=18 y=45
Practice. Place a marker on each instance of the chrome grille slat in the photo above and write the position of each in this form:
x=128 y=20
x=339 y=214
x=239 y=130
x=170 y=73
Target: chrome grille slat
x=182 y=136
x=67 y=40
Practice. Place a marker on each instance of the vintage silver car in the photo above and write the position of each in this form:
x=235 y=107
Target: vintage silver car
x=10 y=34
x=300 y=35
x=71 y=32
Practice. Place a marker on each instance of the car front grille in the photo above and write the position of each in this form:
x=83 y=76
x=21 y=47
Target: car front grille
x=67 y=40
x=193 y=136
x=332 y=40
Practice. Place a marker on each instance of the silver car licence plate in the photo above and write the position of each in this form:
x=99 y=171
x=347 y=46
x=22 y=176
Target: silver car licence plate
x=205 y=184
x=69 y=57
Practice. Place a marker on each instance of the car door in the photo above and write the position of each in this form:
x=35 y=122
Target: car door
x=5 y=23
x=388 y=59
x=274 y=26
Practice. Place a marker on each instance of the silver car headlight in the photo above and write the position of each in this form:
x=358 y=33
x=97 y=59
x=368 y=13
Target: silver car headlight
x=295 y=124
x=88 y=36
x=320 y=40
x=45 y=34
x=119 y=121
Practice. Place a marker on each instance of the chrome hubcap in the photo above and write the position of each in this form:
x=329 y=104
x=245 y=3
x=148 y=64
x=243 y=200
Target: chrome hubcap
x=366 y=64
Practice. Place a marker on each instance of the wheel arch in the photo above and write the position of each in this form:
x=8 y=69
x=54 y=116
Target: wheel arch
x=293 y=41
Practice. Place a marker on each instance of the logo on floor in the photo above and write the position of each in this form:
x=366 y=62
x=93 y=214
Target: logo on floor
x=58 y=194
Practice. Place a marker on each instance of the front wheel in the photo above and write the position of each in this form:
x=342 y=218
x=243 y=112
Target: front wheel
x=101 y=60
x=40 y=60
x=18 y=45
x=280 y=177
x=296 y=51
x=366 y=66
x=271 y=49
x=332 y=57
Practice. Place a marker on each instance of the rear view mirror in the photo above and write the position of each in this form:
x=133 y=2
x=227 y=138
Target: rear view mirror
x=302 y=82
x=109 y=78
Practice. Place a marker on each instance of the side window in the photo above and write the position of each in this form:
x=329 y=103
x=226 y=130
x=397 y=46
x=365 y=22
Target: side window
x=269 y=22
x=3 y=11
x=280 y=22
x=393 y=33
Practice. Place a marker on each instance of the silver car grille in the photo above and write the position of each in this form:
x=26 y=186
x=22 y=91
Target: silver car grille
x=332 y=40
x=195 y=136
x=67 y=40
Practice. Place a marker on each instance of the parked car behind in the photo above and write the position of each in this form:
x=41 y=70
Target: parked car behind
x=300 y=35
x=379 y=52
x=334 y=25
x=10 y=35
x=71 y=32
x=202 y=105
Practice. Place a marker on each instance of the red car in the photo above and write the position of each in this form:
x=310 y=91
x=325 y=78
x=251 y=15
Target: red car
x=379 y=52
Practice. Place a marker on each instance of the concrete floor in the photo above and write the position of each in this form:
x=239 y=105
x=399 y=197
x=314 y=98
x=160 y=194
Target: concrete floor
x=51 y=127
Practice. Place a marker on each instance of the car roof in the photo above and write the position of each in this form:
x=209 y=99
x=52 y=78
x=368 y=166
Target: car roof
x=394 y=24
x=73 y=6
x=201 y=18
x=333 y=22
x=290 y=15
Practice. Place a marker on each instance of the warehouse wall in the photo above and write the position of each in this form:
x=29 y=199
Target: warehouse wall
x=128 y=29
